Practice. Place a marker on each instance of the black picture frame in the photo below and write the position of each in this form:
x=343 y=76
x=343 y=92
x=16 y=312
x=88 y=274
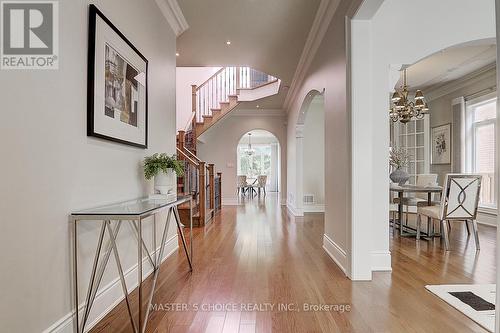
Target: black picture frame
x=94 y=12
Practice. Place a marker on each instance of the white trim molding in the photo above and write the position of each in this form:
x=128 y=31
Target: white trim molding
x=335 y=252
x=173 y=14
x=316 y=208
x=440 y=90
x=109 y=296
x=322 y=20
x=294 y=210
x=381 y=261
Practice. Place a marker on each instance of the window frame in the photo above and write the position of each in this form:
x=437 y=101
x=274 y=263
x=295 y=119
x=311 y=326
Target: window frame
x=470 y=139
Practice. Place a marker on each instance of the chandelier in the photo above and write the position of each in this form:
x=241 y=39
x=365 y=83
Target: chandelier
x=404 y=109
x=249 y=151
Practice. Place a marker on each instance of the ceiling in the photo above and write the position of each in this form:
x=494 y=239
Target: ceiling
x=449 y=64
x=268 y=35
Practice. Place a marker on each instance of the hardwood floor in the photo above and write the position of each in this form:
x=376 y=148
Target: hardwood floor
x=256 y=253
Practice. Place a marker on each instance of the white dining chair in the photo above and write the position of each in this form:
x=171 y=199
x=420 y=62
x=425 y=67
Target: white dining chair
x=420 y=199
x=241 y=184
x=459 y=202
x=261 y=183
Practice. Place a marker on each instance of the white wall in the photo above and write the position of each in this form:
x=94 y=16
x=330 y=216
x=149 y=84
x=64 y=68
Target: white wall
x=50 y=167
x=219 y=144
x=314 y=154
x=185 y=77
x=374 y=53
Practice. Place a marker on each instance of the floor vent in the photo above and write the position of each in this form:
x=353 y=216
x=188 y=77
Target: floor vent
x=308 y=199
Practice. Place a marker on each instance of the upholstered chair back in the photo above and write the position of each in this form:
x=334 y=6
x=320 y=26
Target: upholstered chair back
x=241 y=181
x=426 y=180
x=262 y=180
x=460 y=197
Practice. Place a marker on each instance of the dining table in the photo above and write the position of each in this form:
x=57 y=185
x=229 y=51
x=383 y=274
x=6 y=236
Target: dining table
x=401 y=190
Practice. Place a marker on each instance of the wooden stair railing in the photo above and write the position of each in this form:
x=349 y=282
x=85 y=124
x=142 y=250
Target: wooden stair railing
x=218 y=96
x=205 y=191
x=211 y=101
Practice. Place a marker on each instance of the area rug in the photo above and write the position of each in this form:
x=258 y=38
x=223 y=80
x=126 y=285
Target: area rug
x=476 y=301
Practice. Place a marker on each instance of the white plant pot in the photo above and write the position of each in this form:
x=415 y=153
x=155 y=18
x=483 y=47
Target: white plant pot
x=165 y=184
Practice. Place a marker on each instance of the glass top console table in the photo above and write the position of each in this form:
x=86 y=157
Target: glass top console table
x=134 y=211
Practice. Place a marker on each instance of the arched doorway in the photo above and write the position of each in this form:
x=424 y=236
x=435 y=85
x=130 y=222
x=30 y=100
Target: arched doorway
x=258 y=154
x=310 y=146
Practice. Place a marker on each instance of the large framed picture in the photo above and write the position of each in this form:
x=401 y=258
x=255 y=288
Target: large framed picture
x=441 y=144
x=117 y=91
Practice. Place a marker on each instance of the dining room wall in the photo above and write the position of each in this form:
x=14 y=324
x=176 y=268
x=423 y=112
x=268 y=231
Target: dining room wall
x=50 y=168
x=440 y=104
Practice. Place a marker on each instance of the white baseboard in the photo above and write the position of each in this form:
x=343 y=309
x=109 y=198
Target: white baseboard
x=487 y=219
x=335 y=252
x=109 y=296
x=314 y=208
x=381 y=261
x=293 y=210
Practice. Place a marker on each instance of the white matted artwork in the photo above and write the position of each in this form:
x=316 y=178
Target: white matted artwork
x=117 y=85
x=441 y=144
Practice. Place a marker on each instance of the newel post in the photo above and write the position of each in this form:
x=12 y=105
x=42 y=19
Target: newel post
x=219 y=199
x=203 y=194
x=182 y=139
x=211 y=182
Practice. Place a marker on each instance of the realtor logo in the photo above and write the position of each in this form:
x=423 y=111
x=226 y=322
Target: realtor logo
x=29 y=31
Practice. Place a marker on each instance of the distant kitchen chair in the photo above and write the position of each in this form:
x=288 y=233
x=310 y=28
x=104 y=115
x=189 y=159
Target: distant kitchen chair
x=459 y=202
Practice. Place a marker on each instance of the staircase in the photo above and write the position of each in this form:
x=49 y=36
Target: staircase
x=212 y=101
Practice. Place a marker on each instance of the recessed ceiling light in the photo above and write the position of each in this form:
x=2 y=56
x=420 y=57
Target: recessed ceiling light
x=228 y=42
x=258 y=106
x=177 y=54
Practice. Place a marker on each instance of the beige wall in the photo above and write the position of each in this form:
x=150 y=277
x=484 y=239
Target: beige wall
x=185 y=77
x=50 y=167
x=328 y=71
x=314 y=154
x=219 y=144
x=440 y=108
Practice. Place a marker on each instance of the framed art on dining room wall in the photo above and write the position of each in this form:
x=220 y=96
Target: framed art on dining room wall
x=441 y=144
x=117 y=91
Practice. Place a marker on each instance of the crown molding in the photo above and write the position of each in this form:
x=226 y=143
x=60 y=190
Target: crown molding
x=173 y=14
x=439 y=90
x=320 y=25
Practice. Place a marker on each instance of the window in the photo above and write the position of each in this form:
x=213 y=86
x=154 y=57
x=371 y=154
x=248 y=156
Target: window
x=413 y=136
x=254 y=165
x=481 y=113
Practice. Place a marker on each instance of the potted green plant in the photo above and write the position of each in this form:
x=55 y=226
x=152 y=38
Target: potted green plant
x=164 y=169
x=398 y=158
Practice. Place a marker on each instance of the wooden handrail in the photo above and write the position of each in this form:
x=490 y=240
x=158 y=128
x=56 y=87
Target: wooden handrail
x=190 y=122
x=210 y=78
x=193 y=156
x=184 y=155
